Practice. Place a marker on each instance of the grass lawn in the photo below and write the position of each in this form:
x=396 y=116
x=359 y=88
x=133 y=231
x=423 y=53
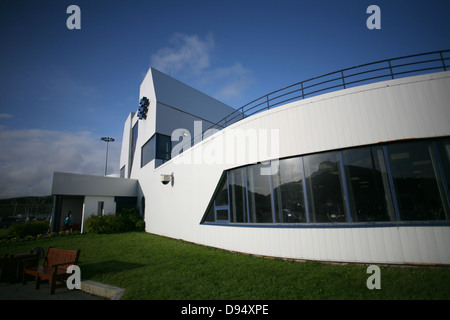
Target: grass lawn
x=153 y=267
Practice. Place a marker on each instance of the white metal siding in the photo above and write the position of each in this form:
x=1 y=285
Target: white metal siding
x=415 y=107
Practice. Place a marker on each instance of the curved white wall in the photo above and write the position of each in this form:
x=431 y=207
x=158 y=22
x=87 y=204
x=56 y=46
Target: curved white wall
x=414 y=107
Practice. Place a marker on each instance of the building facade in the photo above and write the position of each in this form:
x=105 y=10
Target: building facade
x=360 y=174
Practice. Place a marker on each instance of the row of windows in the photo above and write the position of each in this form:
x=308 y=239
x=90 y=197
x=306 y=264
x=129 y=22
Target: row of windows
x=401 y=181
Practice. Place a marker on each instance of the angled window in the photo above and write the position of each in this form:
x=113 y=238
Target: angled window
x=393 y=182
x=218 y=207
x=163 y=149
x=157 y=148
x=148 y=151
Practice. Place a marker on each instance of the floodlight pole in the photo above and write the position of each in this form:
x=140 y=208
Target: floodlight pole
x=107 y=140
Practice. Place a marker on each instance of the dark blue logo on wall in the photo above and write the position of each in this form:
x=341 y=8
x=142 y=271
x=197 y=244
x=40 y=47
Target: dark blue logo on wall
x=143 y=108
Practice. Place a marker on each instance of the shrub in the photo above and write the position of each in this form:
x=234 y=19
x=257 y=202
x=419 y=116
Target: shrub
x=130 y=218
x=125 y=220
x=112 y=224
x=104 y=224
x=140 y=225
x=31 y=229
x=93 y=224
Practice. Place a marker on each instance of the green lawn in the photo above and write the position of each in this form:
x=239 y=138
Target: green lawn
x=153 y=267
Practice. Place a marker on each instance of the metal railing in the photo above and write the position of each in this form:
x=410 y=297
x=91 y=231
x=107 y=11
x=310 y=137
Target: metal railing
x=342 y=79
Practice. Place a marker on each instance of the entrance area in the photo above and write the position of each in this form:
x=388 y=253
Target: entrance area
x=63 y=204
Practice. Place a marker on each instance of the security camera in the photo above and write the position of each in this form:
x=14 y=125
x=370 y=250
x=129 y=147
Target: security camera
x=166 y=178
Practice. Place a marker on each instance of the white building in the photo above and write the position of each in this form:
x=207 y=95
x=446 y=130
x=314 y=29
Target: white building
x=346 y=167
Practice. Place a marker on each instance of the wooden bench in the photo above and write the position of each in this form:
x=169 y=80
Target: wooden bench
x=54 y=268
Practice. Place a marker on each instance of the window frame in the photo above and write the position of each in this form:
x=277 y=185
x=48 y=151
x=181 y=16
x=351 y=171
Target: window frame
x=153 y=143
x=442 y=169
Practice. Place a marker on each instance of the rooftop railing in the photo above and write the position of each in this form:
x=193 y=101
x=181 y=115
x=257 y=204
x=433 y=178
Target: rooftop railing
x=342 y=79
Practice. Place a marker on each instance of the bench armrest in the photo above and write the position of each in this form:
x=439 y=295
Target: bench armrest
x=56 y=266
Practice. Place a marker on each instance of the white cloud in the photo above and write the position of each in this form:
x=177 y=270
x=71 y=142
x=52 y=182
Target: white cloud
x=29 y=158
x=188 y=58
x=186 y=54
x=5 y=115
x=230 y=82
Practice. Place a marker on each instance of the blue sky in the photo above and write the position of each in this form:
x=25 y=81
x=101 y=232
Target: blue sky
x=61 y=90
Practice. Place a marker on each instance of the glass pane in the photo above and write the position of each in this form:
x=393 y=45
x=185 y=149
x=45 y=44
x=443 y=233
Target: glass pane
x=259 y=195
x=324 y=189
x=134 y=136
x=221 y=198
x=288 y=192
x=222 y=214
x=238 y=203
x=210 y=214
x=368 y=185
x=414 y=172
x=148 y=151
x=163 y=147
x=444 y=158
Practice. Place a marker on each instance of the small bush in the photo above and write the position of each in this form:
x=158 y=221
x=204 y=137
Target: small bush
x=131 y=219
x=126 y=220
x=140 y=225
x=30 y=229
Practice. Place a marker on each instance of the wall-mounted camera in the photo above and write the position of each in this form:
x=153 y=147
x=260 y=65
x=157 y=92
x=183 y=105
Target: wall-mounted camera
x=166 y=178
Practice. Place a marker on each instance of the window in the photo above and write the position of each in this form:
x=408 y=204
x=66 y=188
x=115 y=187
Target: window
x=221 y=198
x=157 y=148
x=148 y=151
x=122 y=172
x=210 y=214
x=368 y=184
x=238 y=195
x=134 y=136
x=218 y=208
x=418 y=186
x=288 y=192
x=100 y=208
x=444 y=156
x=259 y=194
x=394 y=182
x=323 y=178
x=163 y=149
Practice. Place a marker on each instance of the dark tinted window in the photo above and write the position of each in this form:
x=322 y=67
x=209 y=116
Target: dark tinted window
x=238 y=202
x=414 y=170
x=368 y=185
x=323 y=179
x=288 y=191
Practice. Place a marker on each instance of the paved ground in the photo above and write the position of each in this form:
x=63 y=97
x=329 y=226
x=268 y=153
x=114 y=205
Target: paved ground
x=18 y=291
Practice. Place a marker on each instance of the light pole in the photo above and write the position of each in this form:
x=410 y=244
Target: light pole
x=107 y=140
